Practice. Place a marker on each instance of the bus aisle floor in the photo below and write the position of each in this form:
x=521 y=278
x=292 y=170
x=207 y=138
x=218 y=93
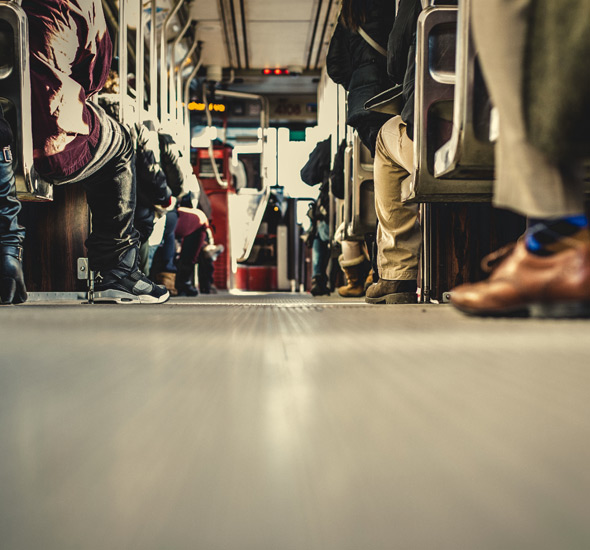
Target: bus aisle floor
x=285 y=422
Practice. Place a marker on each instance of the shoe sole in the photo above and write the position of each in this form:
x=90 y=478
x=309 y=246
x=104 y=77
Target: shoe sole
x=120 y=297
x=397 y=298
x=511 y=312
x=539 y=310
x=560 y=310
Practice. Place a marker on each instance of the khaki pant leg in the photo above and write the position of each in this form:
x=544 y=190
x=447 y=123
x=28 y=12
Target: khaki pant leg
x=398 y=235
x=525 y=180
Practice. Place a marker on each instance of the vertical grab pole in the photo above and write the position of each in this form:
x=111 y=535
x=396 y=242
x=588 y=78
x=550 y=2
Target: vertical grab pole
x=164 y=113
x=140 y=64
x=180 y=110
x=123 y=57
x=153 y=62
x=173 y=92
x=187 y=86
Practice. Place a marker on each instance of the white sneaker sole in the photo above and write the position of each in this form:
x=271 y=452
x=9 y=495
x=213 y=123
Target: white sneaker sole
x=120 y=297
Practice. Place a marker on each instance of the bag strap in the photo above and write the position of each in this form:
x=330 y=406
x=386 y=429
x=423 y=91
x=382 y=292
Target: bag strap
x=372 y=42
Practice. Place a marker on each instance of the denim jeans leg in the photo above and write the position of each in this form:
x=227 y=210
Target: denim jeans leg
x=11 y=233
x=169 y=243
x=320 y=251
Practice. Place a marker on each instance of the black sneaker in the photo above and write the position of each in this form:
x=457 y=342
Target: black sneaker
x=132 y=288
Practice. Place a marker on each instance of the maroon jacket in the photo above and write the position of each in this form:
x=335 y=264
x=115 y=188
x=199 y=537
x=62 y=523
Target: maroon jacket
x=70 y=60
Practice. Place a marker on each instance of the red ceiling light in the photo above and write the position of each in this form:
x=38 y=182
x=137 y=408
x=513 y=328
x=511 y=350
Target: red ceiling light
x=275 y=72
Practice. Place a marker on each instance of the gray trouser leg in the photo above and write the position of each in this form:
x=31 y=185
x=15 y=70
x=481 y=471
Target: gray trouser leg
x=526 y=181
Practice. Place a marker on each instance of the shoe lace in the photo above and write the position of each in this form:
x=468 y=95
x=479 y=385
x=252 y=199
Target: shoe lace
x=494 y=259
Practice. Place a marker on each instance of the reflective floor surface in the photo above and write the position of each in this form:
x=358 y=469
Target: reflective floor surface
x=280 y=422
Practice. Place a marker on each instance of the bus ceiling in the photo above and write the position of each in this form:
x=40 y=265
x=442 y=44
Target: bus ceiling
x=244 y=37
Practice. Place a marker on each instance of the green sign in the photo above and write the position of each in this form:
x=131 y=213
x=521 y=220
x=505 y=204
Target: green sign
x=296 y=135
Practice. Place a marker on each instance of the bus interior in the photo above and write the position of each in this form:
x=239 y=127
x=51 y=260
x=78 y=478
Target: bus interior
x=258 y=416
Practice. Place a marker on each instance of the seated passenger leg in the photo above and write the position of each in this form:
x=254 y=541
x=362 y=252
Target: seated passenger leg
x=163 y=267
x=205 y=273
x=12 y=286
x=398 y=233
x=185 y=270
x=320 y=258
x=113 y=245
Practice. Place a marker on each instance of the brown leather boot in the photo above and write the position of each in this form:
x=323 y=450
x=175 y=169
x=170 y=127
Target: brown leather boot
x=525 y=284
x=391 y=292
x=168 y=279
x=354 y=272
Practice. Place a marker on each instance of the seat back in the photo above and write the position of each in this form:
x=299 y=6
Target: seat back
x=15 y=96
x=469 y=153
x=434 y=96
x=360 y=216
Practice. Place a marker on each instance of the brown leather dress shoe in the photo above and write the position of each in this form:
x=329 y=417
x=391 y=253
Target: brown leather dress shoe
x=525 y=284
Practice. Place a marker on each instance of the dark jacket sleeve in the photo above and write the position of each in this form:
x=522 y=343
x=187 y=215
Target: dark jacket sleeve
x=152 y=186
x=170 y=162
x=337 y=173
x=339 y=60
x=401 y=38
x=5 y=131
x=318 y=164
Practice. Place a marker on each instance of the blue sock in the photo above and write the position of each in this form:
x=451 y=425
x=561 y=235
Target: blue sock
x=545 y=236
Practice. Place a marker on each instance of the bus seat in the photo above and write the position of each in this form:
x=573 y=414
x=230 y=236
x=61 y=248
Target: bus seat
x=469 y=153
x=359 y=193
x=15 y=96
x=434 y=96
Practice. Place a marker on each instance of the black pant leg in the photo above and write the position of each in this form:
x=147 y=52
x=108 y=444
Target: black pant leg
x=111 y=196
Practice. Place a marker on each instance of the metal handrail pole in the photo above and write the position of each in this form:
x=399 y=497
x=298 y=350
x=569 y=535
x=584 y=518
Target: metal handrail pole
x=153 y=61
x=172 y=91
x=187 y=85
x=180 y=111
x=139 y=65
x=164 y=114
x=122 y=59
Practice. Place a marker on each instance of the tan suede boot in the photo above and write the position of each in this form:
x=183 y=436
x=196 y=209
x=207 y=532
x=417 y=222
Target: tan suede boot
x=167 y=279
x=353 y=269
